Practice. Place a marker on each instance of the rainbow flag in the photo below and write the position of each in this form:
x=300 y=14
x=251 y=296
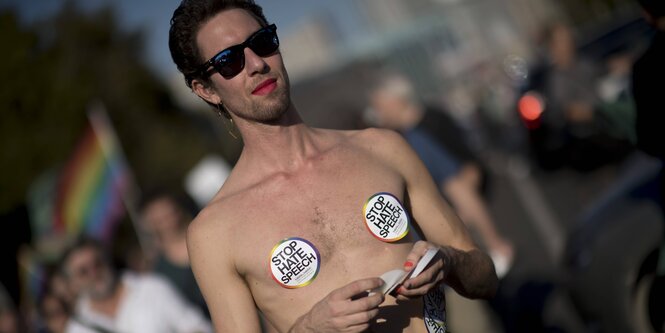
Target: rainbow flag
x=90 y=188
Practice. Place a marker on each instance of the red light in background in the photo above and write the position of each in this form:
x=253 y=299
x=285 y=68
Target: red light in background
x=531 y=108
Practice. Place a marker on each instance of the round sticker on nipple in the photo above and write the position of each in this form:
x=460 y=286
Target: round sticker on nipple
x=385 y=217
x=294 y=262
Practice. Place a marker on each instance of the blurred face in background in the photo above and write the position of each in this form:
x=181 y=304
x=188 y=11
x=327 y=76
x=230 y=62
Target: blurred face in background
x=388 y=109
x=394 y=103
x=54 y=313
x=89 y=274
x=163 y=217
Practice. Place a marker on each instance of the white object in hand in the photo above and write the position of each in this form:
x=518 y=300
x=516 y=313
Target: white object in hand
x=424 y=261
x=394 y=278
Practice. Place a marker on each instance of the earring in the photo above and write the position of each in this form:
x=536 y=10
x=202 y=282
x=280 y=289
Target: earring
x=232 y=128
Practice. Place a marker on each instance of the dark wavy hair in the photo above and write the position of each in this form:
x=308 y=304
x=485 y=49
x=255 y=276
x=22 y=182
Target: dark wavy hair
x=185 y=24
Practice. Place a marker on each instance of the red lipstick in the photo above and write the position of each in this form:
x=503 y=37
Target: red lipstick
x=265 y=87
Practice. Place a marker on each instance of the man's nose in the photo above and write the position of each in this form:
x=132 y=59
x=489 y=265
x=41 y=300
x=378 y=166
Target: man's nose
x=254 y=64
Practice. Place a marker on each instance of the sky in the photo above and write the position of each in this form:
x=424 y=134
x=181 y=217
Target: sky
x=152 y=16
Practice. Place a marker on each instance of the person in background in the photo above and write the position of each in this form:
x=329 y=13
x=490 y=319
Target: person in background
x=570 y=130
x=166 y=216
x=571 y=81
x=394 y=105
x=130 y=303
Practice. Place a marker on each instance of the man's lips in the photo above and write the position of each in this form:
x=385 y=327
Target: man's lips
x=265 y=87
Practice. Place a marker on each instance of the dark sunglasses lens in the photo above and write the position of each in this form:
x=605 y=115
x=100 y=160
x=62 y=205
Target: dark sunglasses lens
x=230 y=62
x=264 y=43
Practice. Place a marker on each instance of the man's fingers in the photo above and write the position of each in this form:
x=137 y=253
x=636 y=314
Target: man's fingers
x=364 y=304
x=420 y=290
x=425 y=276
x=344 y=308
x=357 y=328
x=421 y=284
x=417 y=252
x=355 y=288
x=361 y=317
x=411 y=293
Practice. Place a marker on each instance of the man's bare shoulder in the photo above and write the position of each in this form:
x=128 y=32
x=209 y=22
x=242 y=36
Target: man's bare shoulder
x=383 y=143
x=210 y=223
x=375 y=139
x=227 y=207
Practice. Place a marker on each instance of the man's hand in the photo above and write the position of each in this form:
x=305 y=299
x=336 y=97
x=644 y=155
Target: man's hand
x=428 y=279
x=342 y=311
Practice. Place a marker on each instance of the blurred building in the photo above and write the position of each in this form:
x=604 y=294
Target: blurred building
x=312 y=47
x=453 y=50
x=439 y=44
x=387 y=14
x=439 y=40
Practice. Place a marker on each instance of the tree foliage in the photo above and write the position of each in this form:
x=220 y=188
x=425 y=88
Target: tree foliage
x=50 y=74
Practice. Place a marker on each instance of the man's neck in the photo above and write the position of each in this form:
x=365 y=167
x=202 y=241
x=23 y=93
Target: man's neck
x=281 y=146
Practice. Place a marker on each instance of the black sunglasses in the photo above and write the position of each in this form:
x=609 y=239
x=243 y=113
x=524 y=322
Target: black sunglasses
x=230 y=61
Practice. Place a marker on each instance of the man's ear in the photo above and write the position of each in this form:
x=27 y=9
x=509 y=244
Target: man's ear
x=205 y=91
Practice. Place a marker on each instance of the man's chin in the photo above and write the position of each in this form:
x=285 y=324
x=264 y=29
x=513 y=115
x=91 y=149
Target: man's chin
x=268 y=114
x=274 y=108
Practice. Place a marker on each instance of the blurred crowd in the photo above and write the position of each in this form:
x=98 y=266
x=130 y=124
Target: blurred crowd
x=150 y=289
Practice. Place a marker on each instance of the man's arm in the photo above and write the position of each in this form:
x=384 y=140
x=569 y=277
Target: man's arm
x=228 y=298
x=465 y=268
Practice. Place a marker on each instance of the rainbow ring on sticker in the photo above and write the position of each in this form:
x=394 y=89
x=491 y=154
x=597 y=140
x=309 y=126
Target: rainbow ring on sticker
x=385 y=217
x=294 y=262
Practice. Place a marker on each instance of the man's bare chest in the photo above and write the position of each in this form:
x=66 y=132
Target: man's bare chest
x=322 y=215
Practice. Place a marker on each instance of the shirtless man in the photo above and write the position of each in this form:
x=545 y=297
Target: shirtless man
x=290 y=233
